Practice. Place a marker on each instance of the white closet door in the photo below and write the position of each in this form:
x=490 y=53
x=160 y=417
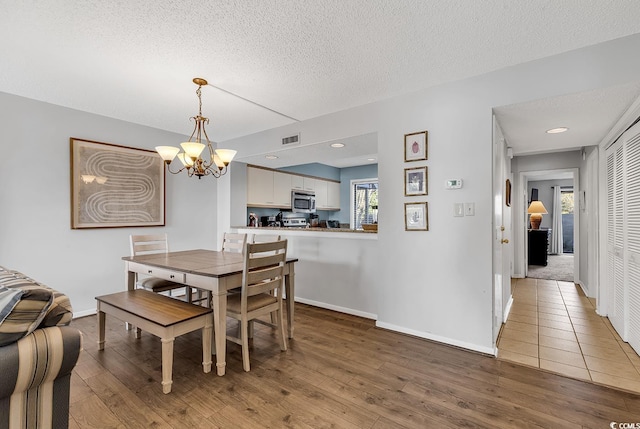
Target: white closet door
x=632 y=200
x=615 y=238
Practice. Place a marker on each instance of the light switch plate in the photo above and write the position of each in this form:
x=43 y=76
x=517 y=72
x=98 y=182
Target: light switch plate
x=469 y=209
x=458 y=209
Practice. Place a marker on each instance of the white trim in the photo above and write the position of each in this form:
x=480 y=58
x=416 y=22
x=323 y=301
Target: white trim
x=621 y=126
x=91 y=312
x=351 y=201
x=429 y=336
x=524 y=178
x=507 y=309
x=337 y=308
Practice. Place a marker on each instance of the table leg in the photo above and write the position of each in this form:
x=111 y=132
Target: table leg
x=130 y=281
x=206 y=343
x=289 y=288
x=219 y=303
x=167 y=364
x=101 y=320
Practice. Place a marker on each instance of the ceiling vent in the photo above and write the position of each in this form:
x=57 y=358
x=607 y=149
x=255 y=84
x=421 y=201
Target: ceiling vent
x=294 y=139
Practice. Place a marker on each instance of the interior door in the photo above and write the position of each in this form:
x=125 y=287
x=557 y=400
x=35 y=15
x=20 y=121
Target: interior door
x=615 y=238
x=501 y=255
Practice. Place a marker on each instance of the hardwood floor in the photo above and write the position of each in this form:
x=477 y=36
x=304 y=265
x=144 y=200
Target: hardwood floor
x=340 y=371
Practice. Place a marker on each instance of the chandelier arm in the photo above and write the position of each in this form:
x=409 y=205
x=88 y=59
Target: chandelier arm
x=176 y=172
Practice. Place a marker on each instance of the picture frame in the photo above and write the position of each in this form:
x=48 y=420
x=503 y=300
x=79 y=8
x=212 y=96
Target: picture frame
x=507 y=193
x=416 y=216
x=415 y=181
x=415 y=146
x=115 y=186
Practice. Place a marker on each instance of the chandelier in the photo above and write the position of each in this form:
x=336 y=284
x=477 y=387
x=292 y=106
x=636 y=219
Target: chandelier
x=216 y=162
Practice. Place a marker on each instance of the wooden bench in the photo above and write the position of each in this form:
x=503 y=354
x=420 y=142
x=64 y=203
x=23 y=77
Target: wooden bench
x=162 y=316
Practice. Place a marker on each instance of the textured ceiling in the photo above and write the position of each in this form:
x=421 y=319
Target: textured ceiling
x=134 y=60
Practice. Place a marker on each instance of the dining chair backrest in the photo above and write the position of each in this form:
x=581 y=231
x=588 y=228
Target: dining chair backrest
x=233 y=242
x=265 y=238
x=264 y=269
x=148 y=244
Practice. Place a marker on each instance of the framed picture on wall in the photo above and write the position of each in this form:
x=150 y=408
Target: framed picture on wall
x=415 y=181
x=115 y=186
x=416 y=217
x=415 y=146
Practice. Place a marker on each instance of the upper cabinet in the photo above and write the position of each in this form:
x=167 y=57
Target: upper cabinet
x=272 y=188
x=304 y=183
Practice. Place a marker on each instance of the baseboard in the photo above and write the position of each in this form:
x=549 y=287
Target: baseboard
x=426 y=335
x=84 y=313
x=507 y=309
x=337 y=308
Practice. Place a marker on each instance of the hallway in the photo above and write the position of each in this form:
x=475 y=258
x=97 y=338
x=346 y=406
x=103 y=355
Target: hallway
x=553 y=326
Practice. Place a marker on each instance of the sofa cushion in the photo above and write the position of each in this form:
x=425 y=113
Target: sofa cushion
x=59 y=314
x=27 y=314
x=8 y=300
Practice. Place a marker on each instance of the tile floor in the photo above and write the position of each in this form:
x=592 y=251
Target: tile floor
x=552 y=325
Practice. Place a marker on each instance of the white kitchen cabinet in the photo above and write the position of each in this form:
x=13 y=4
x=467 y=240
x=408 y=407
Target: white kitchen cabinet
x=309 y=184
x=268 y=188
x=297 y=182
x=271 y=188
x=327 y=195
x=259 y=187
x=333 y=195
x=321 y=194
x=282 y=189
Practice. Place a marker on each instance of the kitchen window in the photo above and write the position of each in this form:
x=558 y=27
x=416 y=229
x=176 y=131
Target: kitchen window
x=364 y=202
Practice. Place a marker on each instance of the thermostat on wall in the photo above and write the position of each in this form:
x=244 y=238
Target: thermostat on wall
x=454 y=184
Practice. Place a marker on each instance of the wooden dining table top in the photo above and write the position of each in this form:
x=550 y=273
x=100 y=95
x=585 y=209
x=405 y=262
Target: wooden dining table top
x=212 y=263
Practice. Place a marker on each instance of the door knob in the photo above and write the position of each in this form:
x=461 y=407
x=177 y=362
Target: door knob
x=504 y=241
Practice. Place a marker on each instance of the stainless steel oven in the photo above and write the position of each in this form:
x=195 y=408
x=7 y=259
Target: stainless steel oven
x=303 y=201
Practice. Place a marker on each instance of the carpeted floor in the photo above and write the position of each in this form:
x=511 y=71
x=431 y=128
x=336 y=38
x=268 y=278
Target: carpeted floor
x=559 y=267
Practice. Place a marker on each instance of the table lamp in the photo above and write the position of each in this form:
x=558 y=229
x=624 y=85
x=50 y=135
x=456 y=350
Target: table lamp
x=536 y=210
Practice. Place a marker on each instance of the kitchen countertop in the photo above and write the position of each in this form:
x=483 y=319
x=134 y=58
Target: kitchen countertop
x=282 y=228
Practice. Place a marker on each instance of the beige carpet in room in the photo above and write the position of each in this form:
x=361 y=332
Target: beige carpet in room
x=559 y=267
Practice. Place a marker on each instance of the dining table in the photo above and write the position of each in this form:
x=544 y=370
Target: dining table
x=210 y=270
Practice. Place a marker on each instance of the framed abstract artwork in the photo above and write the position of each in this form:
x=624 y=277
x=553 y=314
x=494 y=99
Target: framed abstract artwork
x=415 y=181
x=416 y=217
x=415 y=146
x=115 y=186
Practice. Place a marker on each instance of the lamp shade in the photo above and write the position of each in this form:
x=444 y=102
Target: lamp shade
x=536 y=207
x=536 y=210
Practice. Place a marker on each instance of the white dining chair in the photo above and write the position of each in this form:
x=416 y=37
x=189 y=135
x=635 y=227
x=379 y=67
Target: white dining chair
x=260 y=294
x=151 y=244
x=264 y=238
x=233 y=242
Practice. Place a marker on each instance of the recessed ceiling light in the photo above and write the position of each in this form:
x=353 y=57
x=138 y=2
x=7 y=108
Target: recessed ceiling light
x=271 y=157
x=557 y=130
x=337 y=144
x=371 y=159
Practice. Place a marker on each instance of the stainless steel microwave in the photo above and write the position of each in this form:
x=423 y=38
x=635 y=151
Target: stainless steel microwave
x=303 y=201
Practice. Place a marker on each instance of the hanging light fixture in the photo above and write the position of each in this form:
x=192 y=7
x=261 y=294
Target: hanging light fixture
x=192 y=161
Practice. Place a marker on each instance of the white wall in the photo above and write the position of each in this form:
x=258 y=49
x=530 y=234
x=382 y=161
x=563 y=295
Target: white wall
x=438 y=284
x=35 y=233
x=435 y=284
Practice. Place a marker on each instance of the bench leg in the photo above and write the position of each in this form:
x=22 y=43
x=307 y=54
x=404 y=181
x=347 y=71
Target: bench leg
x=207 y=332
x=101 y=320
x=167 y=364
